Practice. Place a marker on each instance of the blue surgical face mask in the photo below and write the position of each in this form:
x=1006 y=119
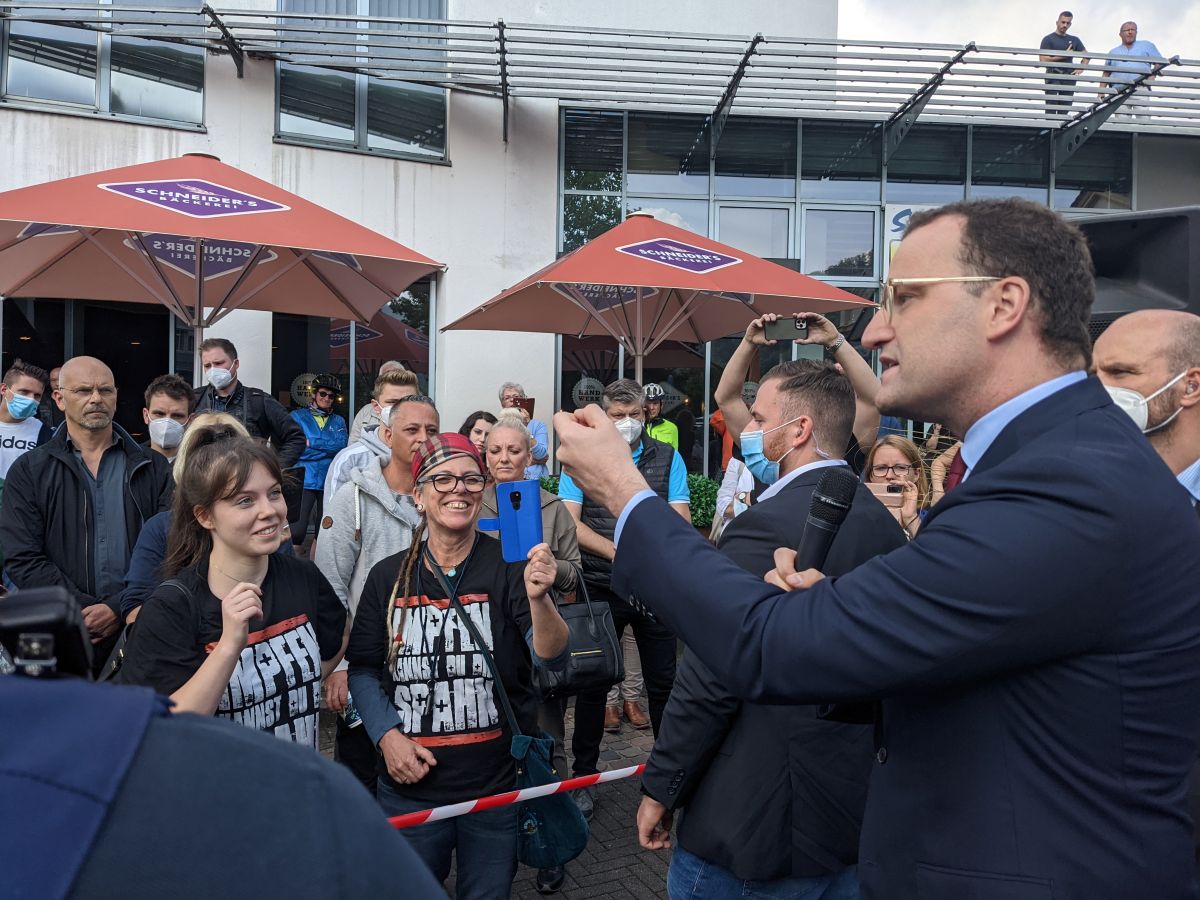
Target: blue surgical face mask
x=21 y=407
x=764 y=469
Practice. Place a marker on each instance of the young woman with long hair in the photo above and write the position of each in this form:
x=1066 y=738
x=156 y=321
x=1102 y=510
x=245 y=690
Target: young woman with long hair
x=237 y=630
x=896 y=460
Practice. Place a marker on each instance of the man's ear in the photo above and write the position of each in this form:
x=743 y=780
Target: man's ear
x=145 y=415
x=1191 y=388
x=385 y=435
x=1010 y=302
x=58 y=400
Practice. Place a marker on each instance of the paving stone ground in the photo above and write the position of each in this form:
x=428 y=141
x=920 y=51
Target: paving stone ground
x=613 y=866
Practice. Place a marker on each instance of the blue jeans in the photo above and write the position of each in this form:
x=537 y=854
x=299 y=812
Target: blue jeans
x=691 y=878
x=486 y=844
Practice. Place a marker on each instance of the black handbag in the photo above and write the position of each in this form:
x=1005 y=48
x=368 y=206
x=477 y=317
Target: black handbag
x=596 y=661
x=551 y=831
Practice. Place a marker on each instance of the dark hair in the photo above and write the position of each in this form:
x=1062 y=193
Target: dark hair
x=474 y=417
x=411 y=398
x=219 y=344
x=1027 y=240
x=1067 y=13
x=19 y=367
x=174 y=387
x=808 y=387
x=623 y=390
x=218 y=466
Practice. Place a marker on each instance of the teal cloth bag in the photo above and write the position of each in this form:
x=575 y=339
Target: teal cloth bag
x=551 y=831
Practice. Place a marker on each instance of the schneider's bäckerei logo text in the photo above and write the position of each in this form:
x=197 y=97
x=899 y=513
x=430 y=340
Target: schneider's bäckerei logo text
x=197 y=198
x=679 y=255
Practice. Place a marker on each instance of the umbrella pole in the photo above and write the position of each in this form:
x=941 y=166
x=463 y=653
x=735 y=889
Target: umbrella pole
x=637 y=368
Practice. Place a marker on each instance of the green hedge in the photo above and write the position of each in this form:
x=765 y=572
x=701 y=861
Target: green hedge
x=702 y=489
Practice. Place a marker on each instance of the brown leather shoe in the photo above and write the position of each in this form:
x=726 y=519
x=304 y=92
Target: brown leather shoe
x=637 y=718
x=612 y=719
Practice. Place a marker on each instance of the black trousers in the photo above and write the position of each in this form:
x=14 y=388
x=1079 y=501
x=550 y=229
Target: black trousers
x=656 y=644
x=1060 y=91
x=311 y=505
x=354 y=750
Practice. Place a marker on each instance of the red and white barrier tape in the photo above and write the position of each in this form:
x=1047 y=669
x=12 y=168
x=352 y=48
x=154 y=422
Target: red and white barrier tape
x=509 y=797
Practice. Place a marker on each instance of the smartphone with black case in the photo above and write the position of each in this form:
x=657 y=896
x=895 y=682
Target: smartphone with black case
x=786 y=328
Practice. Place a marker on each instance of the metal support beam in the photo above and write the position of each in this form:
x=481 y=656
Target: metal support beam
x=1074 y=133
x=721 y=114
x=231 y=43
x=902 y=120
x=503 y=75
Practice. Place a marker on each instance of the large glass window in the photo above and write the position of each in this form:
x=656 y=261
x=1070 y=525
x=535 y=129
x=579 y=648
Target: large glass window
x=356 y=111
x=1010 y=162
x=839 y=161
x=839 y=243
x=689 y=214
x=111 y=71
x=762 y=230
x=668 y=154
x=757 y=158
x=587 y=215
x=1099 y=175
x=593 y=151
x=929 y=166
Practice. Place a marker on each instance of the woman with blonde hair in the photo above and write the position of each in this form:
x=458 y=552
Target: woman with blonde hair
x=896 y=460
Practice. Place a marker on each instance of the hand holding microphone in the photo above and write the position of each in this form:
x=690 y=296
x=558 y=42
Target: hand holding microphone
x=831 y=501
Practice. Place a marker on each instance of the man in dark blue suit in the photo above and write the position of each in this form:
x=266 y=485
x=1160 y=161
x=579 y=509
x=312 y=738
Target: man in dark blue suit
x=772 y=796
x=1036 y=649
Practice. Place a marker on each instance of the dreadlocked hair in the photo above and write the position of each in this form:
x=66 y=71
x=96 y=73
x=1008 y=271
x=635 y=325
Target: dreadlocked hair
x=403 y=581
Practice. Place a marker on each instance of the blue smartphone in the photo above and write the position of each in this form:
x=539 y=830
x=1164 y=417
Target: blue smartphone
x=520 y=519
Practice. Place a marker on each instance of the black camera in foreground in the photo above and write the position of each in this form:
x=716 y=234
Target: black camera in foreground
x=42 y=635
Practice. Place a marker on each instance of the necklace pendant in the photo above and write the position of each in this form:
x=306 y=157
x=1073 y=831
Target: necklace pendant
x=452 y=571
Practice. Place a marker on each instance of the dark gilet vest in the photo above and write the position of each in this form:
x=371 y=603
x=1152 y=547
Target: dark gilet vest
x=655 y=466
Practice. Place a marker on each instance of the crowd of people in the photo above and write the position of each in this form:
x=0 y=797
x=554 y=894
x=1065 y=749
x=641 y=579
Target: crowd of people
x=188 y=558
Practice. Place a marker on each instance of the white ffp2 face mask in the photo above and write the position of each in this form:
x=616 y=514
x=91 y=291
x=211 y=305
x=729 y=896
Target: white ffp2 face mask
x=630 y=428
x=166 y=433
x=1138 y=407
x=219 y=378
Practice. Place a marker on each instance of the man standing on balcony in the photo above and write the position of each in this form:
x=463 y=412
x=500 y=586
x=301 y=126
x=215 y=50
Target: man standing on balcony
x=1059 y=88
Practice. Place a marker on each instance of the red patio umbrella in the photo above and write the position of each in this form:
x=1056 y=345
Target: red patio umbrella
x=644 y=282
x=201 y=238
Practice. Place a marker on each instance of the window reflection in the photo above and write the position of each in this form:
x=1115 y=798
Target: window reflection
x=592 y=149
x=929 y=166
x=668 y=154
x=51 y=62
x=1010 y=162
x=316 y=102
x=1098 y=175
x=840 y=161
x=689 y=214
x=763 y=231
x=587 y=215
x=406 y=118
x=157 y=80
x=839 y=243
x=757 y=158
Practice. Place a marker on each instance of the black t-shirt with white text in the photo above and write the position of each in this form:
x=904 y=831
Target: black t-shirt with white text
x=276 y=685
x=440 y=684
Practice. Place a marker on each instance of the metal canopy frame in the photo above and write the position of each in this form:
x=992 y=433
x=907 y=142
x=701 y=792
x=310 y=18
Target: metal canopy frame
x=890 y=83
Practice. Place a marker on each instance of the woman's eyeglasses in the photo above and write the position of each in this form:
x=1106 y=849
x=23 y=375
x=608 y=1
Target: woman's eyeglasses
x=323 y=393
x=445 y=483
x=901 y=469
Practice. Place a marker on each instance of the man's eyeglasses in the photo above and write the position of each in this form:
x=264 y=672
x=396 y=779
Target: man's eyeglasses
x=902 y=470
x=888 y=301
x=445 y=483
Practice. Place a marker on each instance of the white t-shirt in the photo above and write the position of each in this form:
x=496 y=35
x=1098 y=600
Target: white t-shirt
x=16 y=439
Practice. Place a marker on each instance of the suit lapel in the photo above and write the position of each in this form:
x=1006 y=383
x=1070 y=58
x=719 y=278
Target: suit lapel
x=1056 y=409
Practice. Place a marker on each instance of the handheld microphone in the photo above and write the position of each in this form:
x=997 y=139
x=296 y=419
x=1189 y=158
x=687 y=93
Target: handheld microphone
x=831 y=502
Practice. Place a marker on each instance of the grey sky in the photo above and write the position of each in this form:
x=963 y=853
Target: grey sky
x=1172 y=25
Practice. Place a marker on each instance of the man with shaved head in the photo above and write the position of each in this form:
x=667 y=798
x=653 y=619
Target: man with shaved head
x=1150 y=363
x=74 y=506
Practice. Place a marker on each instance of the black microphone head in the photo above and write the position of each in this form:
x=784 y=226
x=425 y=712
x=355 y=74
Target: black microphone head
x=832 y=497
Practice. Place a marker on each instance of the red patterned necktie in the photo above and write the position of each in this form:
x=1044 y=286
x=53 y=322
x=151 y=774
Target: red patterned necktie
x=955 y=474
